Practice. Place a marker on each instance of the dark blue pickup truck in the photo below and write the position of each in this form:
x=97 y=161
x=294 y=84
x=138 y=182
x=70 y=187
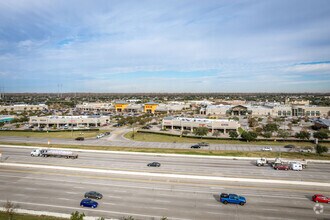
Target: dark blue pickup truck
x=232 y=198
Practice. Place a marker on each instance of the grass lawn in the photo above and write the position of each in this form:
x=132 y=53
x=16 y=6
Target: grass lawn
x=3 y=216
x=147 y=137
x=295 y=155
x=44 y=134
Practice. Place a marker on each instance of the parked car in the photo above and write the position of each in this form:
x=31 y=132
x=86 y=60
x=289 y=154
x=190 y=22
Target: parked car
x=266 y=149
x=305 y=150
x=232 y=198
x=281 y=167
x=289 y=146
x=146 y=127
x=195 y=146
x=203 y=144
x=88 y=203
x=153 y=164
x=321 y=198
x=80 y=138
x=93 y=195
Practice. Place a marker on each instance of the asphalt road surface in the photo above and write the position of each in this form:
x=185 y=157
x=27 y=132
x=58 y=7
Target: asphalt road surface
x=148 y=197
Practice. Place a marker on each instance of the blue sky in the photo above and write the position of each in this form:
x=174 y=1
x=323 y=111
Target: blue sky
x=165 y=46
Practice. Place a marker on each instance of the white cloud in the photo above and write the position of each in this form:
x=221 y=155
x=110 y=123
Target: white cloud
x=310 y=68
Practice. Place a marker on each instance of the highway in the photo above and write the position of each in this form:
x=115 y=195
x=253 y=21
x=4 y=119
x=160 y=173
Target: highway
x=148 y=197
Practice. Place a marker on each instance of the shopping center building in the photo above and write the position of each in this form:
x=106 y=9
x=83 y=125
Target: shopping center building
x=69 y=121
x=181 y=123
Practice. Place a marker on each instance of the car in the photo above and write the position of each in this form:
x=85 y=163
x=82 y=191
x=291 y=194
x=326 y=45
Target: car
x=80 y=138
x=232 y=198
x=195 y=146
x=203 y=144
x=153 y=164
x=281 y=167
x=305 y=150
x=266 y=149
x=146 y=127
x=93 y=195
x=289 y=146
x=321 y=198
x=88 y=203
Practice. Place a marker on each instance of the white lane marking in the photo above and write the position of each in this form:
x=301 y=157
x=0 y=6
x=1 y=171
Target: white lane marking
x=215 y=213
x=28 y=188
x=285 y=197
x=163 y=201
x=120 y=191
x=65 y=199
x=168 y=175
x=78 y=187
x=19 y=194
x=116 y=197
x=74 y=193
x=95 y=210
x=108 y=203
x=215 y=205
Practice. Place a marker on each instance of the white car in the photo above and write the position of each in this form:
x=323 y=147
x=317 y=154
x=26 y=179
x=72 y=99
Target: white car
x=266 y=149
x=305 y=150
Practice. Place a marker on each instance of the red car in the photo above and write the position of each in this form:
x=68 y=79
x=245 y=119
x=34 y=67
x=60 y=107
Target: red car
x=321 y=198
x=281 y=167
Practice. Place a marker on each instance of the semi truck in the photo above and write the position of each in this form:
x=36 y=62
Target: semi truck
x=278 y=161
x=53 y=153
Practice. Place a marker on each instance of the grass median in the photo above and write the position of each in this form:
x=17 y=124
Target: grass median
x=148 y=137
x=203 y=152
x=16 y=216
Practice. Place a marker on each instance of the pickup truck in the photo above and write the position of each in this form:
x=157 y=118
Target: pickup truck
x=232 y=198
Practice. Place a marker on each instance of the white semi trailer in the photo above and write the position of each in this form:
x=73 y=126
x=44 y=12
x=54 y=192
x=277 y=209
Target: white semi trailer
x=53 y=153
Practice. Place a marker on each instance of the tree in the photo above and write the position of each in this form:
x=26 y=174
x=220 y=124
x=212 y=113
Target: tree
x=201 y=131
x=283 y=133
x=253 y=122
x=303 y=135
x=233 y=134
x=249 y=135
x=271 y=127
x=77 y=216
x=321 y=135
x=216 y=133
x=9 y=209
x=267 y=134
x=127 y=218
x=321 y=149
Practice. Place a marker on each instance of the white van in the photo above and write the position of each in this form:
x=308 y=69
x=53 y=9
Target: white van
x=296 y=166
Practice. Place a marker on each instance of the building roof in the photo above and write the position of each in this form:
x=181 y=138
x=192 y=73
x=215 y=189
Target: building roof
x=152 y=103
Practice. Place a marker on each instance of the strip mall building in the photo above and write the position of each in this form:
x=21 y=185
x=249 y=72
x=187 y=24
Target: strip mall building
x=181 y=123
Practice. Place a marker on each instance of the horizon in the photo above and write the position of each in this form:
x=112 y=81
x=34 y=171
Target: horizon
x=223 y=47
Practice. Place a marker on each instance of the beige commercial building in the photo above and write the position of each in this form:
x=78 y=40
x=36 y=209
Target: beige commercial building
x=69 y=121
x=23 y=107
x=266 y=110
x=96 y=107
x=181 y=123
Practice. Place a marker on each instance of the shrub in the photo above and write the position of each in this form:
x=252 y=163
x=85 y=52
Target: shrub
x=321 y=135
x=321 y=149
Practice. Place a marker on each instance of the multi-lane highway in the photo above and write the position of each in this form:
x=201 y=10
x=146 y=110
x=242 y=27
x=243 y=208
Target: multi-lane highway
x=39 y=185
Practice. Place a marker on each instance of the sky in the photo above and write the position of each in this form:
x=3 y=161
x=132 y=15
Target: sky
x=165 y=46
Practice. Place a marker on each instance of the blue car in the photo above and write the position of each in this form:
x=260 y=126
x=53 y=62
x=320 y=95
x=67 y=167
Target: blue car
x=88 y=203
x=232 y=198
